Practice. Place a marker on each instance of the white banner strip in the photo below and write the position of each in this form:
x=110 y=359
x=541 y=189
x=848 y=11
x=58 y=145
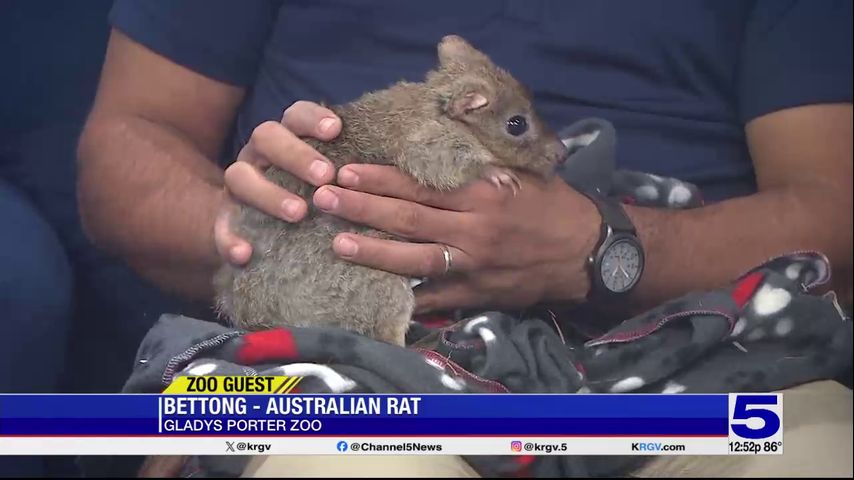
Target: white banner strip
x=367 y=446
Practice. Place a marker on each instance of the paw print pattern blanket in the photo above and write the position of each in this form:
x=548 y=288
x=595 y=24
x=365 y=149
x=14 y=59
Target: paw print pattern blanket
x=766 y=330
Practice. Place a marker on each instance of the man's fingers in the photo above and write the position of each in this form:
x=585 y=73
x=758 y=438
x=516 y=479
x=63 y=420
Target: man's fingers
x=277 y=145
x=247 y=185
x=398 y=217
x=230 y=247
x=389 y=181
x=308 y=119
x=446 y=294
x=402 y=258
x=273 y=144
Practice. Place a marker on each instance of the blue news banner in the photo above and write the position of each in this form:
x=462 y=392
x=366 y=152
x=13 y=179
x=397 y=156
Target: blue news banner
x=733 y=424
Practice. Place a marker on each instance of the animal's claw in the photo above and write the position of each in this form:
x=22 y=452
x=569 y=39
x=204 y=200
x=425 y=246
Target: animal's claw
x=502 y=177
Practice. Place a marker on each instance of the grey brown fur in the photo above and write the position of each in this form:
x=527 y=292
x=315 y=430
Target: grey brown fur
x=445 y=132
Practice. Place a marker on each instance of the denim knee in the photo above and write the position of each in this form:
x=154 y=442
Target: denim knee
x=35 y=297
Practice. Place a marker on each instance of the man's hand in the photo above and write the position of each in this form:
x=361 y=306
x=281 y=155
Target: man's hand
x=507 y=251
x=278 y=144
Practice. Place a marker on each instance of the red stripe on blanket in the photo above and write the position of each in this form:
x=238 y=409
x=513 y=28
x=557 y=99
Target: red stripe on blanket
x=459 y=371
x=434 y=321
x=524 y=462
x=277 y=344
x=746 y=287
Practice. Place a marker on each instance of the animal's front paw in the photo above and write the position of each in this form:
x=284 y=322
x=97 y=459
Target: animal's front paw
x=503 y=177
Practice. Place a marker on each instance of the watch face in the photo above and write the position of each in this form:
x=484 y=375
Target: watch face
x=621 y=266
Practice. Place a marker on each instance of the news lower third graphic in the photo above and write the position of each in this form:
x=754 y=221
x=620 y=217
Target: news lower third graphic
x=225 y=385
x=262 y=415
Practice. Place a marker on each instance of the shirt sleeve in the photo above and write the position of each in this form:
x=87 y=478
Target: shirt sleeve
x=795 y=53
x=220 y=39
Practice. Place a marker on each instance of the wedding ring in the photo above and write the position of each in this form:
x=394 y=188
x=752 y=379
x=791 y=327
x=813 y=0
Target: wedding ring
x=446 y=254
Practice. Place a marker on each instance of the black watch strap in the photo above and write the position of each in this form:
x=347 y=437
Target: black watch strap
x=612 y=214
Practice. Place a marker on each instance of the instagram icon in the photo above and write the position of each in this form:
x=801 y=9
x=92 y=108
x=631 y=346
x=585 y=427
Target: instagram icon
x=516 y=446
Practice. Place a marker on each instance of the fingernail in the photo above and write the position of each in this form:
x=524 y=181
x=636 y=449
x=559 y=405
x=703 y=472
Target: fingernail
x=346 y=247
x=291 y=209
x=326 y=200
x=239 y=254
x=347 y=178
x=318 y=170
x=325 y=125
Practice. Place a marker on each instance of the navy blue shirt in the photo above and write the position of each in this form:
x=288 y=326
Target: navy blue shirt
x=679 y=79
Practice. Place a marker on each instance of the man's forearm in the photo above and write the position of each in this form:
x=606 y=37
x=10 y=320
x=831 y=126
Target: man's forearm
x=149 y=196
x=707 y=248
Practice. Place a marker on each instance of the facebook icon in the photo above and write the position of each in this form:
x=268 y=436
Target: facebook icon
x=342 y=446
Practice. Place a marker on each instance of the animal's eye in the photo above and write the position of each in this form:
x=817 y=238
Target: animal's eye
x=517 y=125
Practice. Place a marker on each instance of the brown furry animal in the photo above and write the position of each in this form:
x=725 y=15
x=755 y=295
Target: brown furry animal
x=468 y=120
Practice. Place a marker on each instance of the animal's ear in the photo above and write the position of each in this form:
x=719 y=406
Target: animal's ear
x=455 y=49
x=468 y=98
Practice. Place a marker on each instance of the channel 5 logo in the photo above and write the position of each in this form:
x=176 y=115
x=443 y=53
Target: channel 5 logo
x=756 y=416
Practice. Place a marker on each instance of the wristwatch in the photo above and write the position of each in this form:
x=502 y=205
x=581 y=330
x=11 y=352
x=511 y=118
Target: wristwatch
x=617 y=262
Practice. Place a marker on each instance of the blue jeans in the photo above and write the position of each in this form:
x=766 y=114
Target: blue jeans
x=35 y=307
x=35 y=297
